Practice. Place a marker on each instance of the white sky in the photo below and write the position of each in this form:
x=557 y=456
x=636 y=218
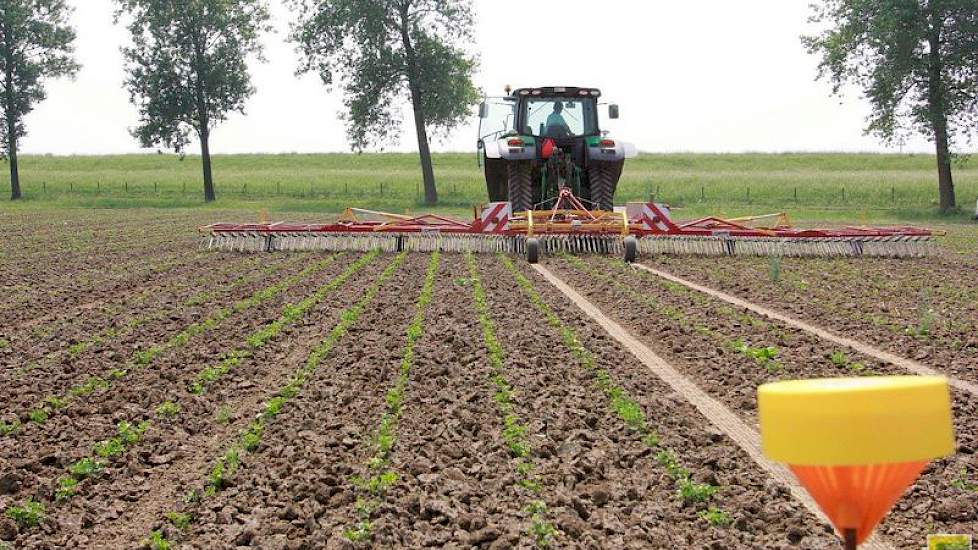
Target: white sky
x=696 y=75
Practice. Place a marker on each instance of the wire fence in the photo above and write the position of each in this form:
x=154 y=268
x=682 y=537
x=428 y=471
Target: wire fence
x=467 y=193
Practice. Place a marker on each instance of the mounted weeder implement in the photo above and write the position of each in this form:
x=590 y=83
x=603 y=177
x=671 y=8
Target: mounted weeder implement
x=569 y=227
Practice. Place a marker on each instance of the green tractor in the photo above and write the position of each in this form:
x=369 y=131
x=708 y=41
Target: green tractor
x=535 y=141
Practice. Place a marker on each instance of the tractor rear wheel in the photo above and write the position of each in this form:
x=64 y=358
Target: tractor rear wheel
x=520 y=185
x=603 y=180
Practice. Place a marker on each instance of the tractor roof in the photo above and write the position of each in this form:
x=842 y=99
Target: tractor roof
x=557 y=91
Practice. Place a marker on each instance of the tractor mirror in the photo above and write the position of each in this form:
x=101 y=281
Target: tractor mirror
x=483 y=110
x=613 y=111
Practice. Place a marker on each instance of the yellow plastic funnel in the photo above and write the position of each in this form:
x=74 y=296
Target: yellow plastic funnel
x=856 y=444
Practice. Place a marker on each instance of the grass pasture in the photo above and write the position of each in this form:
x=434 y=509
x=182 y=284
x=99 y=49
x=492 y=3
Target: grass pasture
x=810 y=186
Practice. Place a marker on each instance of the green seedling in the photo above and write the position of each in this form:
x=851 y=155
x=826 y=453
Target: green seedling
x=223 y=415
x=691 y=491
x=168 y=409
x=67 y=486
x=156 y=541
x=84 y=468
x=28 y=515
x=716 y=517
x=55 y=402
x=179 y=520
x=38 y=416
x=4 y=343
x=542 y=531
x=7 y=428
x=963 y=482
x=839 y=359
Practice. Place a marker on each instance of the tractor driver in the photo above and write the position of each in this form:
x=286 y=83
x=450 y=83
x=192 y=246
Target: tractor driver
x=556 y=125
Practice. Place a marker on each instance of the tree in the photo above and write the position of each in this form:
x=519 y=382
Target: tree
x=917 y=62
x=36 y=42
x=380 y=49
x=187 y=68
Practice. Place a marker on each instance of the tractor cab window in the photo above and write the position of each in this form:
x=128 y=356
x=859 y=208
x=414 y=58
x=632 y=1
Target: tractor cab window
x=497 y=118
x=560 y=117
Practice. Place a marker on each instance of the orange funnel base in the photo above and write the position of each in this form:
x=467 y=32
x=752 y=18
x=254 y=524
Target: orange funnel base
x=857 y=497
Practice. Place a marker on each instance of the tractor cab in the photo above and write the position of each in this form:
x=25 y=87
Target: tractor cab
x=535 y=141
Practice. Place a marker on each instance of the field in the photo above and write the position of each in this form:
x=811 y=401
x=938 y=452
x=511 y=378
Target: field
x=158 y=395
x=820 y=186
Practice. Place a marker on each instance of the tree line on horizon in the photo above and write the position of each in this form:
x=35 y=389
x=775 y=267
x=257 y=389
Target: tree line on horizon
x=916 y=61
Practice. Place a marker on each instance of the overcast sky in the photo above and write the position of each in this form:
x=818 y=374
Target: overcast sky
x=697 y=75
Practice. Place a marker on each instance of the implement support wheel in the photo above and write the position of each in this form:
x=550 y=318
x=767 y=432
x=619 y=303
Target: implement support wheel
x=532 y=251
x=631 y=249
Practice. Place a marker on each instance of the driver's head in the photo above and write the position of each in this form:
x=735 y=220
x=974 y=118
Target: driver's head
x=558 y=106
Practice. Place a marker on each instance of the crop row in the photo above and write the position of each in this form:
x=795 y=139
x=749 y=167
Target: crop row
x=380 y=479
x=144 y=358
x=250 y=439
x=89 y=466
x=514 y=429
x=624 y=406
x=119 y=329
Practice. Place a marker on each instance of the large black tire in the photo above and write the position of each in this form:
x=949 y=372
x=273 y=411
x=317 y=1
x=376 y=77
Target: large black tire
x=532 y=250
x=603 y=181
x=496 y=176
x=520 y=185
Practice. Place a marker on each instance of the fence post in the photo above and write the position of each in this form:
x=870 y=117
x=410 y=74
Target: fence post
x=156 y=187
x=843 y=195
x=44 y=184
x=244 y=189
x=71 y=187
x=748 y=194
x=417 y=190
x=98 y=187
x=184 y=191
x=893 y=195
x=796 y=194
x=381 y=189
x=702 y=192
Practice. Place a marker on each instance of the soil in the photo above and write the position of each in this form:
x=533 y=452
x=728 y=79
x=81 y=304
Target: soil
x=80 y=274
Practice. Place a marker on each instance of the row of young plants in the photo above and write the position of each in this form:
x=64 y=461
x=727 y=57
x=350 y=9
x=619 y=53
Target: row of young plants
x=915 y=311
x=55 y=403
x=89 y=467
x=514 y=430
x=290 y=315
x=625 y=407
x=764 y=356
x=134 y=322
x=381 y=477
x=250 y=439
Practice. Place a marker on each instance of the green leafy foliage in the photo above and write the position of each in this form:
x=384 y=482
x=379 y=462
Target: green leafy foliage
x=9 y=427
x=716 y=517
x=85 y=467
x=915 y=64
x=187 y=67
x=382 y=51
x=541 y=530
x=168 y=409
x=28 y=515
x=763 y=356
x=180 y=520
x=156 y=541
x=38 y=44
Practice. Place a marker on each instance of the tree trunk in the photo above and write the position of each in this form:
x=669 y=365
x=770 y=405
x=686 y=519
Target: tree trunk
x=205 y=154
x=938 y=116
x=11 y=116
x=427 y=172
